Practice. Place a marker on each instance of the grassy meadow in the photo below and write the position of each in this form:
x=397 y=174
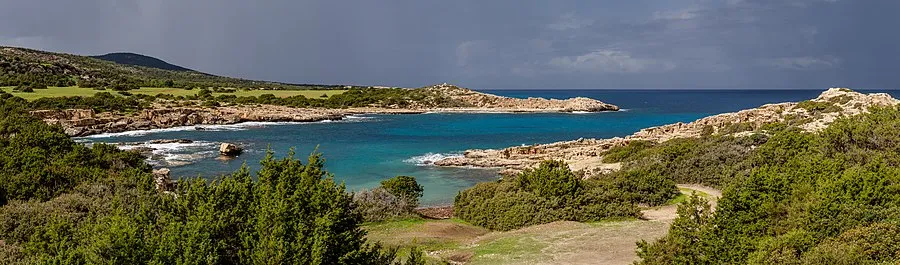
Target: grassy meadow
x=80 y=91
x=604 y=242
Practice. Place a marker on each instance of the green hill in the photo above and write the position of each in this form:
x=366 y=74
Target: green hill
x=140 y=60
x=38 y=69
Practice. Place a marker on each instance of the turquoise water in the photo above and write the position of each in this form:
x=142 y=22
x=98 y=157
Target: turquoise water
x=363 y=150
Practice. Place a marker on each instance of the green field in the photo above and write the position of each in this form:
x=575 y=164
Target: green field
x=79 y=91
x=605 y=242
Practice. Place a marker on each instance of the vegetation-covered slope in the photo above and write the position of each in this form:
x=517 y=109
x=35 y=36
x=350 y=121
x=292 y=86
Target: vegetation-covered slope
x=64 y=203
x=34 y=68
x=551 y=192
x=139 y=60
x=791 y=197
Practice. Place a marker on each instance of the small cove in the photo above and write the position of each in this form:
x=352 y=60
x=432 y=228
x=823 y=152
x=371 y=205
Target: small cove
x=363 y=150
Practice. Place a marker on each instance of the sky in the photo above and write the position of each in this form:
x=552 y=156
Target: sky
x=487 y=43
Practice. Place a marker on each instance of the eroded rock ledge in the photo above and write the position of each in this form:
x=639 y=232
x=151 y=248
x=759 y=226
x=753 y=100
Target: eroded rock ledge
x=83 y=122
x=585 y=154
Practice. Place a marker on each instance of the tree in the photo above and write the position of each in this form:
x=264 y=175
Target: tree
x=550 y=178
x=683 y=243
x=204 y=93
x=404 y=187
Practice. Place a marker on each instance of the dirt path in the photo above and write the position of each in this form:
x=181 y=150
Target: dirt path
x=669 y=212
x=611 y=242
x=578 y=243
x=712 y=193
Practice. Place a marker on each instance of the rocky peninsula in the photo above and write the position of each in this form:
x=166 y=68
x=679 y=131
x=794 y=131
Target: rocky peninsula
x=83 y=122
x=586 y=154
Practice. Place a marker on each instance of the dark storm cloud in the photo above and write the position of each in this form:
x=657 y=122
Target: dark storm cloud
x=646 y=43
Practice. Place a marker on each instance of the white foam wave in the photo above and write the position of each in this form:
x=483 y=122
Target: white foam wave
x=176 y=154
x=351 y=118
x=581 y=112
x=430 y=158
x=225 y=127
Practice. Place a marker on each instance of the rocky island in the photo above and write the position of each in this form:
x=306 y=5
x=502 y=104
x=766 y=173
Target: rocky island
x=165 y=114
x=586 y=154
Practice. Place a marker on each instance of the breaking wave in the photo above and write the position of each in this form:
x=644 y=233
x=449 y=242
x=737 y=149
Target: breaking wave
x=430 y=158
x=225 y=127
x=174 y=154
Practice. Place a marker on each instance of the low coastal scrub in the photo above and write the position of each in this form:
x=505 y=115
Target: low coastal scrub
x=130 y=102
x=712 y=160
x=551 y=192
x=395 y=198
x=64 y=203
x=20 y=66
x=820 y=107
x=377 y=97
x=827 y=198
x=100 y=102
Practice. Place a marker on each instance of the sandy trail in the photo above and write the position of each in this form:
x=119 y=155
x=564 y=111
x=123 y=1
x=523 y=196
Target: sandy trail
x=581 y=243
x=669 y=212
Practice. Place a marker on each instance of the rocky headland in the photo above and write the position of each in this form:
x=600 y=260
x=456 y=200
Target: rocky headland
x=467 y=100
x=83 y=122
x=586 y=154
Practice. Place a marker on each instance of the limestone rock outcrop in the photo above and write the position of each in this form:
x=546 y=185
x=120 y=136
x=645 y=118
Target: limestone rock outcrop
x=586 y=154
x=83 y=122
x=163 y=182
x=229 y=149
x=478 y=100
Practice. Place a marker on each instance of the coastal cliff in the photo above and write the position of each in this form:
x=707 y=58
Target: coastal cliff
x=586 y=154
x=167 y=114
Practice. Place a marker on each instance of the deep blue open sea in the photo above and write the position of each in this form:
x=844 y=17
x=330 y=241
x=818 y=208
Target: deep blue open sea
x=363 y=150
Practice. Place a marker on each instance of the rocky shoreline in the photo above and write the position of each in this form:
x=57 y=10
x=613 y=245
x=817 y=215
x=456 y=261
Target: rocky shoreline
x=586 y=154
x=85 y=122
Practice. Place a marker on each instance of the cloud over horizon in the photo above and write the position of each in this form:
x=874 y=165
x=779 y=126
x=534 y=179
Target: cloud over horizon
x=496 y=44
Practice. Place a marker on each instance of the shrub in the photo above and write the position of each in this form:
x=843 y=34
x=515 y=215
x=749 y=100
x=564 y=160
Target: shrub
x=404 y=187
x=826 y=198
x=551 y=179
x=682 y=244
x=546 y=194
x=64 y=203
x=714 y=160
x=378 y=204
x=819 y=106
x=210 y=103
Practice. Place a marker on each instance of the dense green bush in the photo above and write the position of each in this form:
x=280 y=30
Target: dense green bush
x=680 y=245
x=551 y=192
x=64 y=203
x=40 y=162
x=128 y=102
x=711 y=160
x=819 y=106
x=404 y=187
x=395 y=198
x=826 y=198
x=100 y=102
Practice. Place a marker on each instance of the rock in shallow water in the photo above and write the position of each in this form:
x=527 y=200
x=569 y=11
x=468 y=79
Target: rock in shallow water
x=229 y=149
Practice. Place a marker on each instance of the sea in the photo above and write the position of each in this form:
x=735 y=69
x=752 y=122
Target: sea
x=363 y=150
